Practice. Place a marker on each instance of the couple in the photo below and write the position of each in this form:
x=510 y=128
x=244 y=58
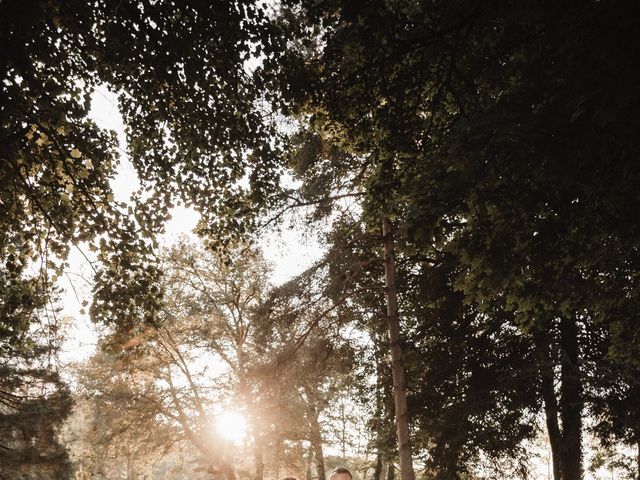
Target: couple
x=339 y=473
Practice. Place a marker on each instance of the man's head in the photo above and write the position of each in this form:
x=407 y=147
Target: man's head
x=340 y=473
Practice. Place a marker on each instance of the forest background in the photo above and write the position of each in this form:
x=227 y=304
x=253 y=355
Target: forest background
x=468 y=170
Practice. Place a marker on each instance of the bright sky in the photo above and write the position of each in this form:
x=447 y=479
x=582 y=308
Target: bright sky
x=289 y=251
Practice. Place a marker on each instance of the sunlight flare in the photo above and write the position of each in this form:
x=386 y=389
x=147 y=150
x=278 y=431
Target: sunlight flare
x=231 y=425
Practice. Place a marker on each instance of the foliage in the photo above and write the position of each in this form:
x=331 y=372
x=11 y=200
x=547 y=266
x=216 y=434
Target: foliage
x=501 y=141
x=196 y=128
x=614 y=404
x=475 y=128
x=474 y=376
x=110 y=435
x=33 y=401
x=616 y=461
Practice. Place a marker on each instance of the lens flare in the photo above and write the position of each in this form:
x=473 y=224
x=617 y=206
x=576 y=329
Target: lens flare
x=232 y=426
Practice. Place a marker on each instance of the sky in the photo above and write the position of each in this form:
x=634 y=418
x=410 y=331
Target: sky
x=290 y=251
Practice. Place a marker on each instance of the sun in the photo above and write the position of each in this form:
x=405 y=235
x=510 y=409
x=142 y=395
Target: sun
x=231 y=425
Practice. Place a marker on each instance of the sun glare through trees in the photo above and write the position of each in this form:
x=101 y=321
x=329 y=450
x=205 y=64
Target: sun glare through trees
x=232 y=426
x=319 y=240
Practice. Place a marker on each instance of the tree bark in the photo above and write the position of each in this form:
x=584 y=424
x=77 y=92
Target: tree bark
x=545 y=368
x=131 y=472
x=377 y=471
x=316 y=435
x=310 y=461
x=343 y=432
x=257 y=448
x=319 y=457
x=638 y=459
x=565 y=442
x=397 y=365
x=571 y=401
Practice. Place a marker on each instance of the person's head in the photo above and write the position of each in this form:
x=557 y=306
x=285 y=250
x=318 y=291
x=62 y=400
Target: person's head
x=340 y=473
x=289 y=478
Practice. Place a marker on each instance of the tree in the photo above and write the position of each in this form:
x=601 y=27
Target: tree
x=504 y=137
x=305 y=356
x=195 y=129
x=108 y=435
x=217 y=296
x=475 y=378
x=160 y=376
x=474 y=374
x=327 y=169
x=33 y=402
x=439 y=100
x=33 y=397
x=614 y=407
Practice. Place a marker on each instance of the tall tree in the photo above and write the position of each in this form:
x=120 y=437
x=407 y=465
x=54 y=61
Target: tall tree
x=445 y=96
x=614 y=406
x=475 y=394
x=397 y=362
x=33 y=403
x=474 y=386
x=194 y=119
x=306 y=355
x=161 y=374
x=219 y=295
x=195 y=128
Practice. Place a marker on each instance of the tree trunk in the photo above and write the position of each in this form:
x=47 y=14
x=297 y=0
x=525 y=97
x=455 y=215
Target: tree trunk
x=545 y=368
x=343 y=432
x=397 y=366
x=566 y=443
x=319 y=458
x=449 y=465
x=257 y=449
x=131 y=471
x=211 y=453
x=310 y=461
x=377 y=471
x=279 y=456
x=315 y=432
x=571 y=402
x=217 y=463
x=638 y=459
x=316 y=435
